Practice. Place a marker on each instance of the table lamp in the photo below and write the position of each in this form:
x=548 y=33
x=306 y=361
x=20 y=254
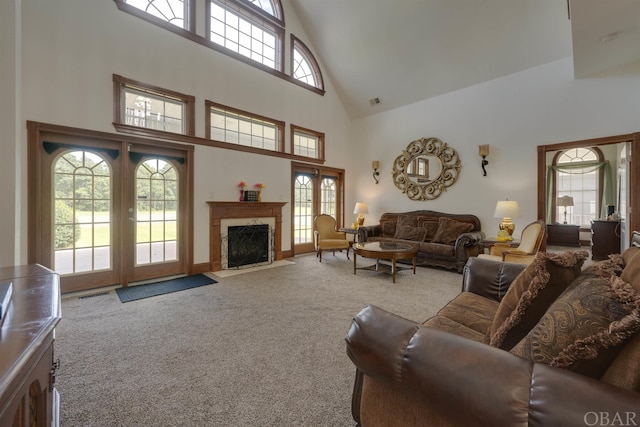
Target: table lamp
x=507 y=209
x=565 y=201
x=361 y=209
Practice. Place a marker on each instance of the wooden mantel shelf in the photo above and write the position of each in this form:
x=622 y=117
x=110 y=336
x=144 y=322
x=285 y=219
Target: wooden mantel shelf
x=226 y=210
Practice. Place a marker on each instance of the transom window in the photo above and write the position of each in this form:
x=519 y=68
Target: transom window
x=234 y=126
x=307 y=143
x=153 y=108
x=241 y=29
x=171 y=11
x=304 y=66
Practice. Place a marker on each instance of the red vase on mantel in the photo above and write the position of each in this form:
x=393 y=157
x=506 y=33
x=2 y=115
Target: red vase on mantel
x=242 y=195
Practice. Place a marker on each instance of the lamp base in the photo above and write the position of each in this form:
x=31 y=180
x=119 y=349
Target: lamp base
x=507 y=225
x=360 y=220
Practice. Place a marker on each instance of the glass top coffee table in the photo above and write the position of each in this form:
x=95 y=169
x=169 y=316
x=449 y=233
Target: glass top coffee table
x=391 y=251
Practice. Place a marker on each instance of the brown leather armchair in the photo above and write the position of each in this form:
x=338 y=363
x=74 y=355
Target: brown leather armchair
x=327 y=238
x=530 y=242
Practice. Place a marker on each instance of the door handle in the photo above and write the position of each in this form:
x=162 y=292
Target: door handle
x=131 y=219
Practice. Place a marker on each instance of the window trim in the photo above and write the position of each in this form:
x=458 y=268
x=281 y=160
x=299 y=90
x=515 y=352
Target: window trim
x=598 y=152
x=192 y=36
x=120 y=84
x=296 y=43
x=320 y=135
x=279 y=124
x=248 y=11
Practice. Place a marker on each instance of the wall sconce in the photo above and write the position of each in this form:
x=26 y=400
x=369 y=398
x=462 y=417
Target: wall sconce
x=484 y=152
x=375 y=165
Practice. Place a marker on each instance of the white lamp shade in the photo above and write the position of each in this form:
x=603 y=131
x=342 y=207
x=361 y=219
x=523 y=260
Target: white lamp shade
x=565 y=201
x=361 y=208
x=507 y=208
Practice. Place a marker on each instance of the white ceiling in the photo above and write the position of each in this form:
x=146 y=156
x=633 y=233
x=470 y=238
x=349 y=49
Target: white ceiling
x=404 y=51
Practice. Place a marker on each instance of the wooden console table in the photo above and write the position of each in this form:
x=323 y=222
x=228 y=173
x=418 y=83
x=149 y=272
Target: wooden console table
x=605 y=239
x=27 y=370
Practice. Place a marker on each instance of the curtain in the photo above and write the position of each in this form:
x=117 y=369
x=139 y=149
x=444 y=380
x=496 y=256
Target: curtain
x=607 y=192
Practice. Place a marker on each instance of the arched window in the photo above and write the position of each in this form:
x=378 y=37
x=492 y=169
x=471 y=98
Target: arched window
x=253 y=29
x=172 y=11
x=579 y=173
x=82 y=213
x=304 y=66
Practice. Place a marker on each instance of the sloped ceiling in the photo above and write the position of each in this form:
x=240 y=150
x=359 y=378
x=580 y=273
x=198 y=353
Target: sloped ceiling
x=405 y=51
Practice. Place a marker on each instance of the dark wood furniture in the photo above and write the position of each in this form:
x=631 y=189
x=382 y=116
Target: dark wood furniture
x=605 y=239
x=391 y=251
x=563 y=234
x=27 y=370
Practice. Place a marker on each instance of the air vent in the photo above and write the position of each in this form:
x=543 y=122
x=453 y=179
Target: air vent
x=374 y=101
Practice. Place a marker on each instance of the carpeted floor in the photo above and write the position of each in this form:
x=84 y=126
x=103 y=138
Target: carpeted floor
x=263 y=348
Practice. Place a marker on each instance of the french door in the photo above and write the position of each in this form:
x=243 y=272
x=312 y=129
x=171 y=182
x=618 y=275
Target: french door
x=106 y=211
x=315 y=191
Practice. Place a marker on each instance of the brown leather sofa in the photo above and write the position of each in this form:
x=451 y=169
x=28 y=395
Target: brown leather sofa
x=443 y=240
x=444 y=373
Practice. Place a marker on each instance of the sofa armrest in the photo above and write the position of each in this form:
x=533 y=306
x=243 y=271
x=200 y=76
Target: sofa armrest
x=368 y=231
x=445 y=372
x=489 y=278
x=469 y=239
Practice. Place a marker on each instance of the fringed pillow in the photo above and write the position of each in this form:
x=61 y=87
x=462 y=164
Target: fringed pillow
x=531 y=293
x=586 y=327
x=449 y=230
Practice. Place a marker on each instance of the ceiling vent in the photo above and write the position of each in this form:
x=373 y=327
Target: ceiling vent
x=374 y=101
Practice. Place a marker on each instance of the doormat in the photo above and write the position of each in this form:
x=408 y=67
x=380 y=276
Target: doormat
x=133 y=293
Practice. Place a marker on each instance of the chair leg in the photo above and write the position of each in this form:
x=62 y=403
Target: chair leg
x=320 y=254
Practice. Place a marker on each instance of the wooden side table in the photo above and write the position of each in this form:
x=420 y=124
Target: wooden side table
x=605 y=239
x=563 y=234
x=351 y=231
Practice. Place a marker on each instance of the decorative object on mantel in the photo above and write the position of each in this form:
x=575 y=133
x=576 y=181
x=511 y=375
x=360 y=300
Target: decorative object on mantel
x=484 y=152
x=426 y=168
x=259 y=187
x=242 y=185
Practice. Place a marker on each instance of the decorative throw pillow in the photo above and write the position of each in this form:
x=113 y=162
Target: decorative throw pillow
x=631 y=272
x=431 y=227
x=405 y=221
x=449 y=230
x=531 y=293
x=411 y=233
x=584 y=328
x=388 y=228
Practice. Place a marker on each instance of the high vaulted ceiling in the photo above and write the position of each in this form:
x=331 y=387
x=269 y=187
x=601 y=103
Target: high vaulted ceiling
x=405 y=51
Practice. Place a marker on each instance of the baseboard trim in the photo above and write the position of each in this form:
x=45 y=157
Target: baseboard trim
x=200 y=268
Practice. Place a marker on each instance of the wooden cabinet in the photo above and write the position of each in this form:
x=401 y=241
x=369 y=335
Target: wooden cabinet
x=605 y=239
x=27 y=369
x=563 y=234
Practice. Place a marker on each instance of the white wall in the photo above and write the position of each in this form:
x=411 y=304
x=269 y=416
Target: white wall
x=72 y=48
x=513 y=114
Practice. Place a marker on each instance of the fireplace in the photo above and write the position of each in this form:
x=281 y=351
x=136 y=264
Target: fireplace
x=225 y=215
x=248 y=245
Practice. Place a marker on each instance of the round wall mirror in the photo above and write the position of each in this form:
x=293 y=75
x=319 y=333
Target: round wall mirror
x=426 y=168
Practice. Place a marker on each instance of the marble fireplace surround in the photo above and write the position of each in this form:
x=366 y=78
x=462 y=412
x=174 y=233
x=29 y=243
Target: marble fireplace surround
x=241 y=210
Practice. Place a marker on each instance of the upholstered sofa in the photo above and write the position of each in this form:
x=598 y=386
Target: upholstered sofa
x=547 y=344
x=443 y=240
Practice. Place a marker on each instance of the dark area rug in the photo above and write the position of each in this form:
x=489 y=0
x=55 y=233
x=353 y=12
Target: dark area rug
x=137 y=292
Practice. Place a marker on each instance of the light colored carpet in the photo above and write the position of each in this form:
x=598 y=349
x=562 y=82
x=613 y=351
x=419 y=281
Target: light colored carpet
x=264 y=348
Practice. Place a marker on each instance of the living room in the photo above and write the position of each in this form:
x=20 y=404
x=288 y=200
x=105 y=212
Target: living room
x=60 y=59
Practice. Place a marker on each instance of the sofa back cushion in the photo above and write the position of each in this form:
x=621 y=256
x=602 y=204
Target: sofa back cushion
x=531 y=293
x=586 y=327
x=406 y=232
x=449 y=230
